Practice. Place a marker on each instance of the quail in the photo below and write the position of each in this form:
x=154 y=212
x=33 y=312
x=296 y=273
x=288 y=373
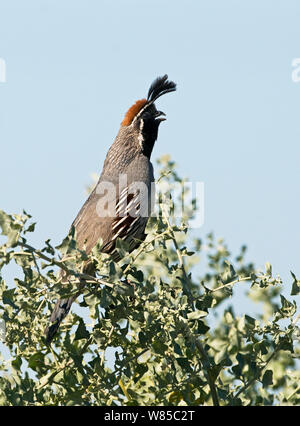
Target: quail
x=120 y=204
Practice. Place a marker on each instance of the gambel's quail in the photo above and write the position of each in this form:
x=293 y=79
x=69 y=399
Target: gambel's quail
x=120 y=204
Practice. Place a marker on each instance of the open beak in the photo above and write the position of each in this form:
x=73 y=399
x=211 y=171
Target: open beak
x=159 y=115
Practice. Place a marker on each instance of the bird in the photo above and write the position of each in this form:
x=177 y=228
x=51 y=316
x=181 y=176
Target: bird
x=121 y=202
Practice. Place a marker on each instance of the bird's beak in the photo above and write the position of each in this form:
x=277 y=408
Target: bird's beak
x=160 y=114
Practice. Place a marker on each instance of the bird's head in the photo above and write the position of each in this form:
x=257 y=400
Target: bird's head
x=143 y=119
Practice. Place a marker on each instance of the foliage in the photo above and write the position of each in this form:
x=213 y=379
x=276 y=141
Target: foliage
x=156 y=314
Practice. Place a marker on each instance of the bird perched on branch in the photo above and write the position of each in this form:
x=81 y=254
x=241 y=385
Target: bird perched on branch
x=120 y=204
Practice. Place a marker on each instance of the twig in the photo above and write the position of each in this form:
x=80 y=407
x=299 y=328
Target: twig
x=60 y=264
x=229 y=284
x=117 y=370
x=187 y=281
x=296 y=319
x=49 y=379
x=107 y=343
x=44 y=257
x=293 y=393
x=205 y=363
x=54 y=357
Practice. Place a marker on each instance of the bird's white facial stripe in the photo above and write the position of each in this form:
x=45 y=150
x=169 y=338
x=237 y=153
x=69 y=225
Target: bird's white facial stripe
x=141 y=137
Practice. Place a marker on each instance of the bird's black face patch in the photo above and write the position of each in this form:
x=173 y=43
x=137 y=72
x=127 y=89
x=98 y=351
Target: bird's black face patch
x=149 y=123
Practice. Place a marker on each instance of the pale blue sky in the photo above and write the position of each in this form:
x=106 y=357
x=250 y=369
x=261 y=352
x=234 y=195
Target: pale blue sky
x=74 y=68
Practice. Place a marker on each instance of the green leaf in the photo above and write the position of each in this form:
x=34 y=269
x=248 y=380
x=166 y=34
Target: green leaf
x=184 y=363
x=5 y=222
x=295 y=286
x=261 y=347
x=288 y=308
x=31 y=228
x=16 y=363
x=136 y=274
x=202 y=327
x=267 y=379
x=197 y=314
x=13 y=238
x=36 y=361
x=68 y=244
x=8 y=297
x=122 y=247
x=10 y=228
x=250 y=321
x=81 y=332
x=142 y=338
x=79 y=376
x=159 y=347
x=268 y=268
x=124 y=288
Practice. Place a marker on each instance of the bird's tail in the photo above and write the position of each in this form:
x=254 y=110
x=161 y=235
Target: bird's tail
x=62 y=306
x=60 y=311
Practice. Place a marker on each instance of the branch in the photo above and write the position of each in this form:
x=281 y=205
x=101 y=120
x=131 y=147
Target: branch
x=85 y=277
x=232 y=283
x=260 y=370
x=48 y=379
x=205 y=359
x=187 y=283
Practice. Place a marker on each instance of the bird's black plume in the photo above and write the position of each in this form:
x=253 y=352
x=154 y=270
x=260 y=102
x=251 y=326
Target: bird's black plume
x=159 y=87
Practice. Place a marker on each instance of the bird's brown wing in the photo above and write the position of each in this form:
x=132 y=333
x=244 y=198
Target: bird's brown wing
x=126 y=222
